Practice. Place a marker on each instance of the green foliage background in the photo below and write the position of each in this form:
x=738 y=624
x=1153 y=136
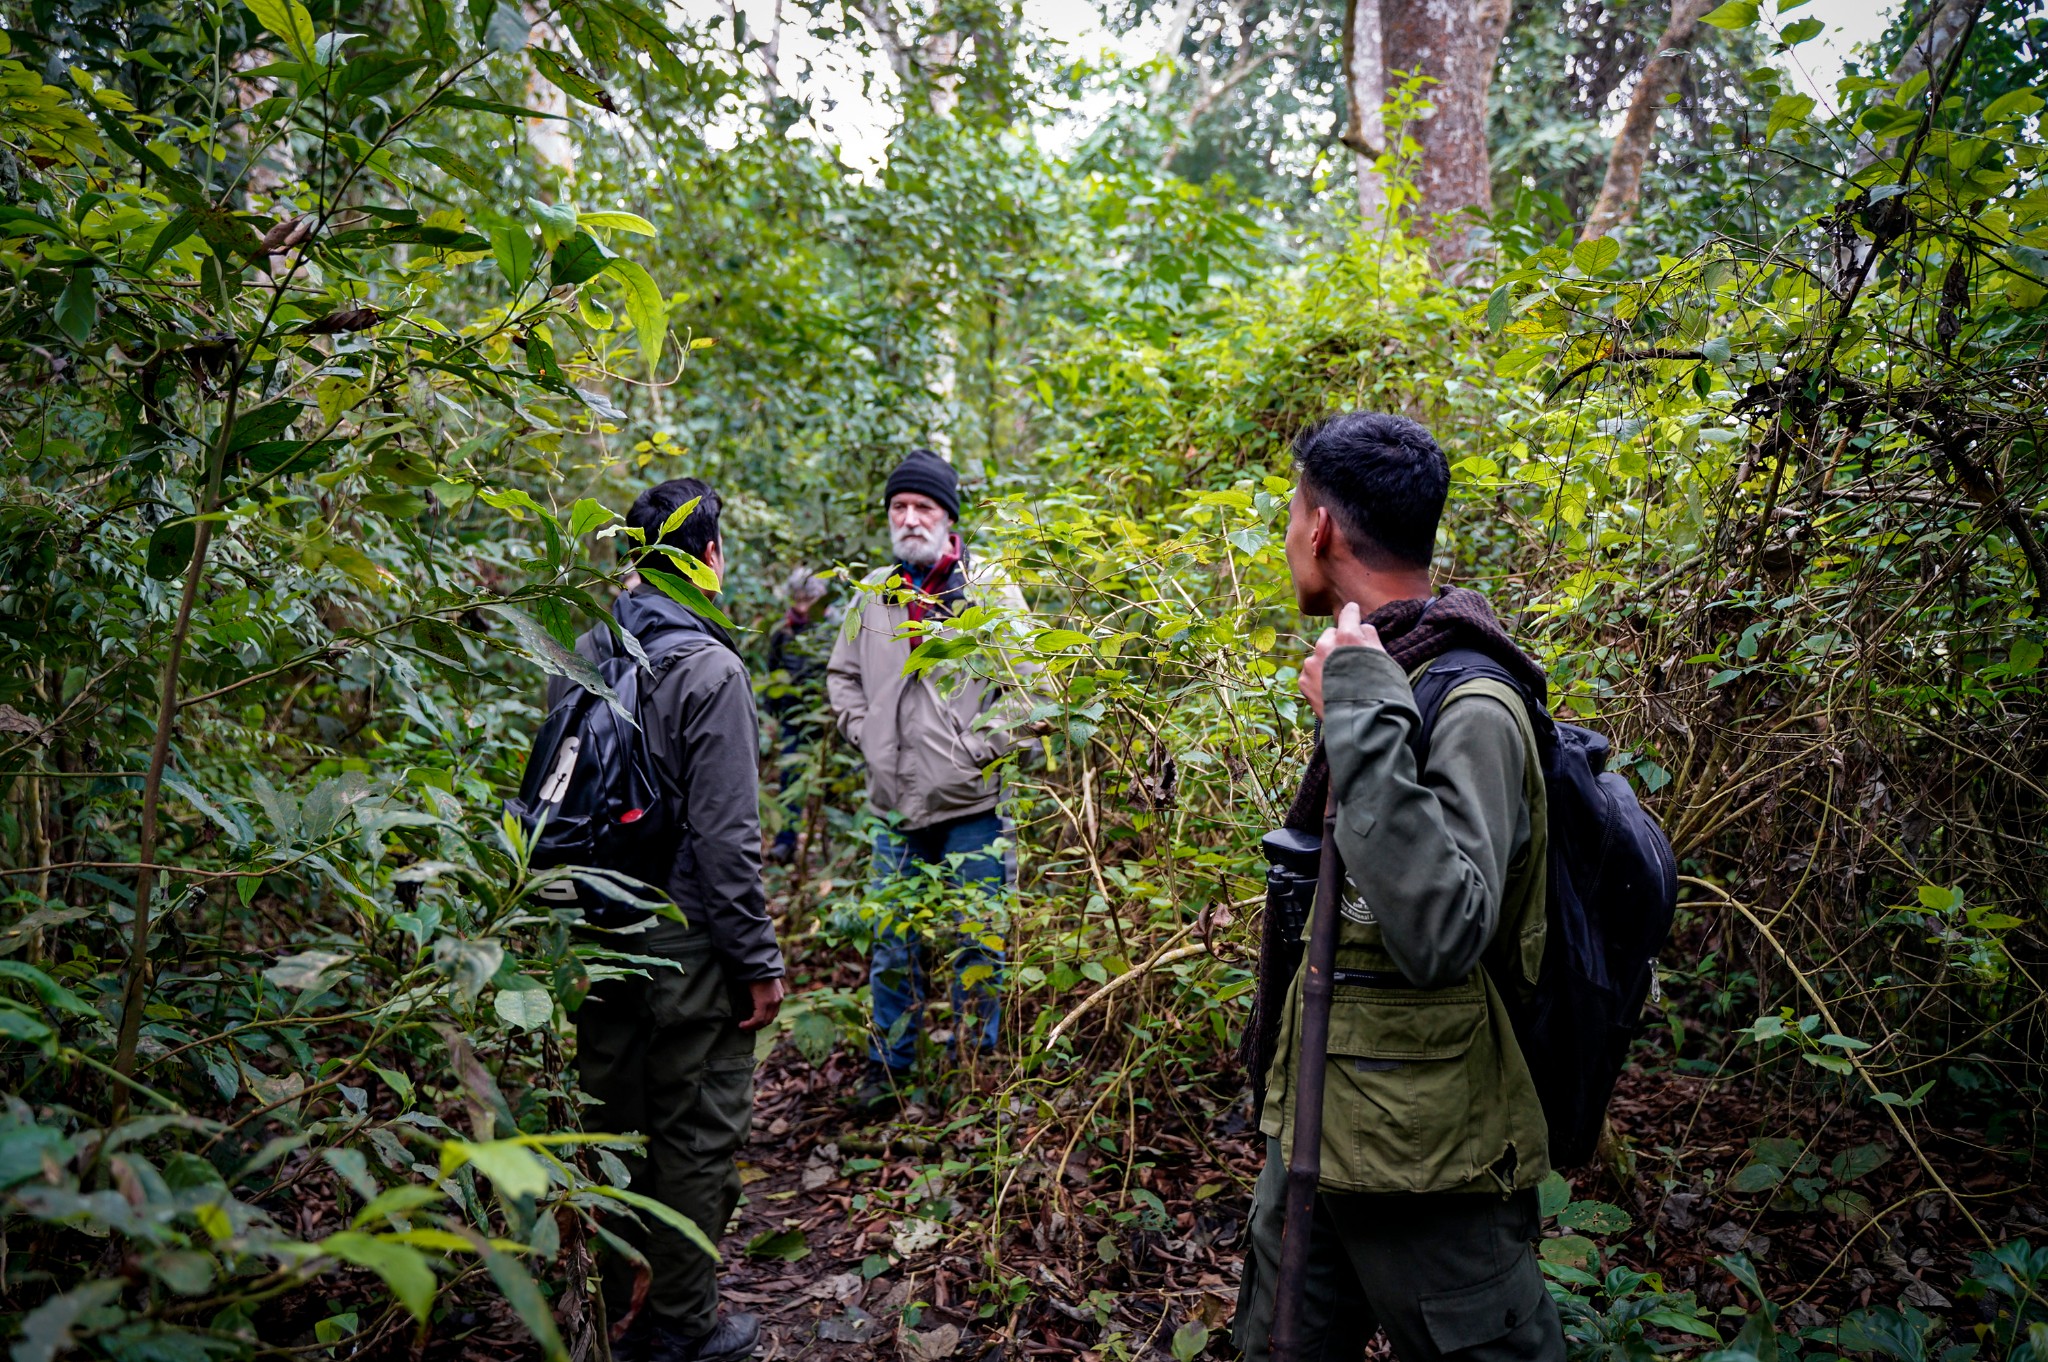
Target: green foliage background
x=322 y=396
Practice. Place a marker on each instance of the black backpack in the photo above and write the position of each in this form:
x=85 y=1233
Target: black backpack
x=591 y=796
x=1613 y=888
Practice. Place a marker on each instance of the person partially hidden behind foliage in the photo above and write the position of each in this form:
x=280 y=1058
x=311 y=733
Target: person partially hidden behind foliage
x=797 y=653
x=669 y=1053
x=929 y=742
x=1433 y=1138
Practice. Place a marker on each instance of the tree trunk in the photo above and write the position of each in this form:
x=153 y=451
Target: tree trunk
x=1623 y=186
x=1455 y=44
x=1365 y=97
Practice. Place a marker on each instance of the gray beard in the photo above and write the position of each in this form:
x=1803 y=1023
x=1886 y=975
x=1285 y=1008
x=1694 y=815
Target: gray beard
x=915 y=549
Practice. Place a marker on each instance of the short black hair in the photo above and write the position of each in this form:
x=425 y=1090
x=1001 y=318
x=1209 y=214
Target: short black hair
x=653 y=507
x=1382 y=479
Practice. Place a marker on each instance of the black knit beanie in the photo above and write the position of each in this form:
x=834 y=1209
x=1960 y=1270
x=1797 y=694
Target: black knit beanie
x=928 y=475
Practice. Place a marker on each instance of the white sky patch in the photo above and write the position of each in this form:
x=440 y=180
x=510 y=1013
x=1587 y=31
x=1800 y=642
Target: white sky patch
x=1816 y=64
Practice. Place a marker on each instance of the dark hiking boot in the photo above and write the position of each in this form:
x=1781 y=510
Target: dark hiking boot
x=881 y=1091
x=633 y=1344
x=733 y=1339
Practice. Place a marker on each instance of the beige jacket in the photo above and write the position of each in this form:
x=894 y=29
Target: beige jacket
x=929 y=738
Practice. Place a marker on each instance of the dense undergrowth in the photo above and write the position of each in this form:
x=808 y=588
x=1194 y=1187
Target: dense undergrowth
x=319 y=407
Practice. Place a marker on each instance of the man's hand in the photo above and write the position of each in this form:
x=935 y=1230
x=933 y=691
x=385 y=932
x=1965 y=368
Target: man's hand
x=1349 y=632
x=767 y=995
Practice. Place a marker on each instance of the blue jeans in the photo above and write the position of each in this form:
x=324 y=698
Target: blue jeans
x=897 y=977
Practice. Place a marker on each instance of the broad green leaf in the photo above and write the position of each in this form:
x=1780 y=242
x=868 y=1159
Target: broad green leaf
x=170 y=548
x=1594 y=1217
x=526 y=1300
x=404 y=1269
x=512 y=245
x=1683 y=1323
x=685 y=593
x=1800 y=30
x=579 y=259
x=1755 y=1177
x=1570 y=1250
x=788 y=1246
x=513 y=1169
x=289 y=20
x=1553 y=1194
x=401 y=1200
x=1734 y=14
x=1778 y=1152
x=617 y=221
x=2013 y=105
x=1858 y=1162
x=1593 y=256
x=645 y=308
x=586 y=515
x=77 y=307
x=54 y=994
x=565 y=77
x=1849 y=1204
x=557 y=221
x=525 y=1004
x=666 y=1214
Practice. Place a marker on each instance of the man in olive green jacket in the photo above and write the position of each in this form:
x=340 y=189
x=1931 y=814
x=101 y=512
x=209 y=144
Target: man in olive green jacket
x=1433 y=1137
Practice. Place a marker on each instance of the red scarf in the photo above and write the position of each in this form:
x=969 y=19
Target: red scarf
x=933 y=587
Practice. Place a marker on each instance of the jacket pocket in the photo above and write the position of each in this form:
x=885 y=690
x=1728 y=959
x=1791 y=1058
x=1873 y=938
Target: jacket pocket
x=1403 y=1089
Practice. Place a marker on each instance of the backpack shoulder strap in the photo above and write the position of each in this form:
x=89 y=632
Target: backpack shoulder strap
x=1436 y=679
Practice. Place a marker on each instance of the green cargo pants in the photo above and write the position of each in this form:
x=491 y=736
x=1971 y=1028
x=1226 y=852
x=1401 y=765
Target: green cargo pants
x=1446 y=1274
x=665 y=1058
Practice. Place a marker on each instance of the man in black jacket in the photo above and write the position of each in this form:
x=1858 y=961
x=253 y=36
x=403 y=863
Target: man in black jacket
x=671 y=1054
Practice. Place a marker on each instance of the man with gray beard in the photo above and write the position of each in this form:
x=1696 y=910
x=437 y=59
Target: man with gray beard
x=930 y=741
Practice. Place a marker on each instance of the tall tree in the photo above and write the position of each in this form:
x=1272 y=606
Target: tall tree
x=1455 y=47
x=1623 y=187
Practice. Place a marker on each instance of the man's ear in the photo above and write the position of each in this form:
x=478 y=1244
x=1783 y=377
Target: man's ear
x=1322 y=535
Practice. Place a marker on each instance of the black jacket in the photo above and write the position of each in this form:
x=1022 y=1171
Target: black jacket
x=705 y=739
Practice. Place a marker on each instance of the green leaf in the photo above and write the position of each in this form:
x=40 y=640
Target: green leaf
x=1799 y=31
x=1497 y=304
x=77 y=307
x=513 y=1169
x=568 y=79
x=57 y=997
x=512 y=244
x=1717 y=350
x=620 y=222
x=1058 y=640
x=1734 y=14
x=1858 y=1162
x=289 y=20
x=1834 y=1064
x=685 y=593
x=397 y=505
x=579 y=259
x=1596 y=255
x=405 y=1270
x=645 y=307
x=665 y=1213
x=170 y=548
x=1189 y=1340
x=557 y=221
x=1788 y=111
x=1892 y=1099
x=1680 y=1322
x=2013 y=105
x=1777 y=1152
x=46 y=1330
x=526 y=1300
x=1849 y=1204
x=586 y=515
x=1569 y=1250
x=1755 y=1177
x=524 y=1003
x=542 y=648
x=1594 y=1217
x=786 y=1246
x=1553 y=1194
x=401 y=1200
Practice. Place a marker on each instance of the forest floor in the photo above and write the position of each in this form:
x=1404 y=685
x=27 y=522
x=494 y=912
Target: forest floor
x=825 y=1250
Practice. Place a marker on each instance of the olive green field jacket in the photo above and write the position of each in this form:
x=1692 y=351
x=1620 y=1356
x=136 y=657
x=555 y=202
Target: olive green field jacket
x=1443 y=895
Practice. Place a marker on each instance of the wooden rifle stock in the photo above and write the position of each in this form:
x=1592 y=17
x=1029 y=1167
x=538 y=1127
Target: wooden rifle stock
x=1305 y=1161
